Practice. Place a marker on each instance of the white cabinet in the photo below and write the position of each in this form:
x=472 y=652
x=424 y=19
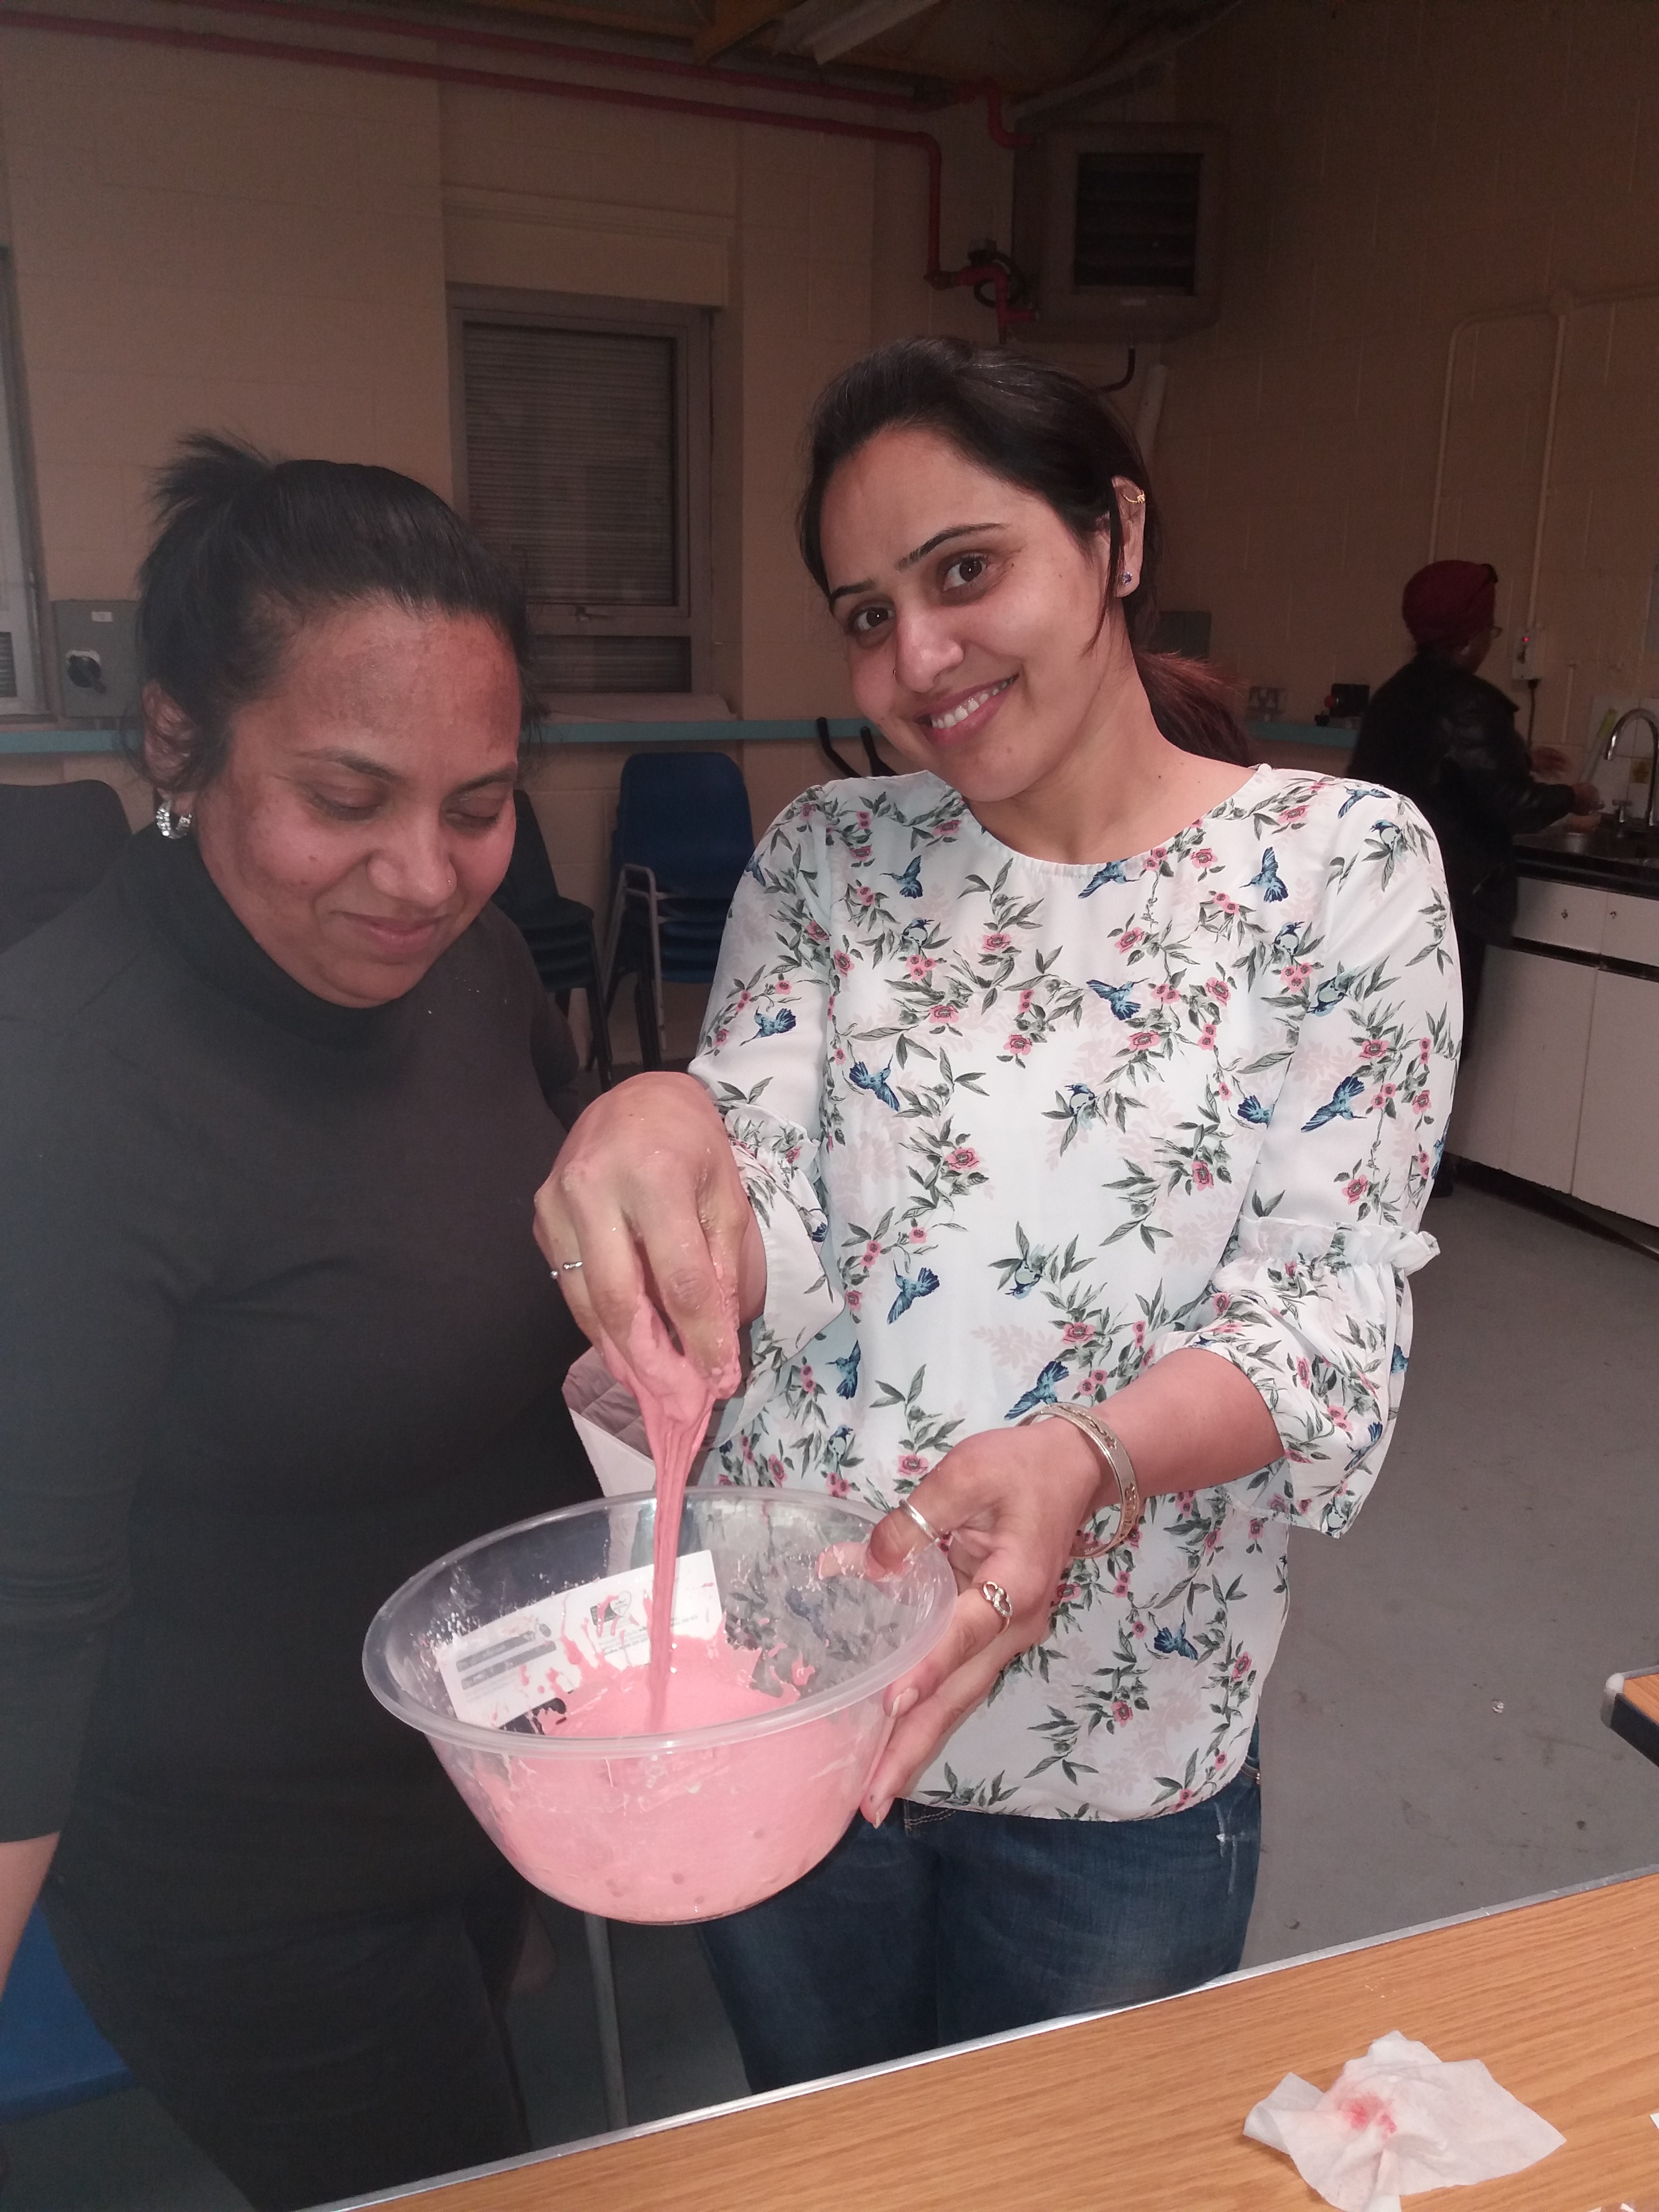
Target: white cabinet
x=1572 y=915
x=1618 y=1157
x=1631 y=931
x=1522 y=1077
x=1560 y=1081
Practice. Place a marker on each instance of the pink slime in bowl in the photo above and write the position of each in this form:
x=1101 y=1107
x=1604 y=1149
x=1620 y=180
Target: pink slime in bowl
x=772 y=1728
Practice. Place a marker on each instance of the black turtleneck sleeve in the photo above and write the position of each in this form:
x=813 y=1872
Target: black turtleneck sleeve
x=274 y=1333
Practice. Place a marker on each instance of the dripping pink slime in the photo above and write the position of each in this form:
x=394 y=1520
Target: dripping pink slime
x=675 y=1400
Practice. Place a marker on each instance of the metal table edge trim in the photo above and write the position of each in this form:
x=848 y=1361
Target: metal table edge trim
x=404 y=2192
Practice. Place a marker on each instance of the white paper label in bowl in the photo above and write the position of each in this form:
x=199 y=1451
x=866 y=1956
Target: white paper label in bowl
x=494 y=1674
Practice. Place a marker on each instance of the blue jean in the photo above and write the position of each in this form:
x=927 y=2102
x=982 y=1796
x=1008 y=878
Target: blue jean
x=940 y=1926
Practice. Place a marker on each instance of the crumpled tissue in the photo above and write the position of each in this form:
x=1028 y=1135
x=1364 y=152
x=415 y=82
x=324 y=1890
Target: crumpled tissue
x=1400 y=2119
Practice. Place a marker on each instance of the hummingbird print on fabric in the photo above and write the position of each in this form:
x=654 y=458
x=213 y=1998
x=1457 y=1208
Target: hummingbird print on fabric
x=847 y=1369
x=876 y=1084
x=1340 y=1106
x=1117 y=997
x=1041 y=1392
x=1268 y=880
x=910 y=1288
x=1113 y=872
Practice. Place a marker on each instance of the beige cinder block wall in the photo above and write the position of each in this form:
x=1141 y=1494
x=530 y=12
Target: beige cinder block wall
x=205 y=241
x=264 y=247
x=1399 y=165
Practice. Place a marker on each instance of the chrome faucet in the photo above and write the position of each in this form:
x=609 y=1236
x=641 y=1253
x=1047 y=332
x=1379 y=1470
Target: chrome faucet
x=1637 y=715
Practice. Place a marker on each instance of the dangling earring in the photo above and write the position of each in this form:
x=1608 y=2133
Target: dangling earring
x=170 y=825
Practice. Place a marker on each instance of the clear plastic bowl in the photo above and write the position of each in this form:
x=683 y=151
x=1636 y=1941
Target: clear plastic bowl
x=690 y=1824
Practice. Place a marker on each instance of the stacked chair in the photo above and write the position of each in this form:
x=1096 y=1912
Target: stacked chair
x=56 y=841
x=559 y=931
x=684 y=836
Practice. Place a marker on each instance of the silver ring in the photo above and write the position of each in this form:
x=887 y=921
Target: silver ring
x=567 y=1267
x=999 y=1600
x=926 y=1525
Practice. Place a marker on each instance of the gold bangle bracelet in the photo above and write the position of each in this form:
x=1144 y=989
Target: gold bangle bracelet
x=1114 y=1452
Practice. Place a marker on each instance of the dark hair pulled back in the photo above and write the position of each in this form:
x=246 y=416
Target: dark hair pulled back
x=250 y=547
x=1038 y=427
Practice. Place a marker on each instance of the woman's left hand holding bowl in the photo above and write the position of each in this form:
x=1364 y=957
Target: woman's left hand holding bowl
x=1012 y=1502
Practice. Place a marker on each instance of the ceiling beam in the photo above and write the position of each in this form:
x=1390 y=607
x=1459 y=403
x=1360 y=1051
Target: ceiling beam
x=734 y=21
x=600 y=18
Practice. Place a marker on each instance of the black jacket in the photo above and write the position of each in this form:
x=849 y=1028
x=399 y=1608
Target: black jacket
x=1448 y=741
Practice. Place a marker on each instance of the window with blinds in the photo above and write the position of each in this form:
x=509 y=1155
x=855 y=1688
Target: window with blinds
x=583 y=458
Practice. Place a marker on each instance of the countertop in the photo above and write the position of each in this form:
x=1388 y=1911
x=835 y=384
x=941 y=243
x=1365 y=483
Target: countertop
x=1144 y=2109
x=1599 y=858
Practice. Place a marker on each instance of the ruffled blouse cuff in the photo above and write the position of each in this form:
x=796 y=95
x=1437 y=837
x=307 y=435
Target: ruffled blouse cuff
x=1319 y=1319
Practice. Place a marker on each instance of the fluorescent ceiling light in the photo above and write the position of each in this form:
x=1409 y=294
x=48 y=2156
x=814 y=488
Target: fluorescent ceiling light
x=826 y=30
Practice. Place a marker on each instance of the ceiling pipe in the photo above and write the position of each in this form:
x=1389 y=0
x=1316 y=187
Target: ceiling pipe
x=509 y=42
x=1123 y=76
x=438 y=72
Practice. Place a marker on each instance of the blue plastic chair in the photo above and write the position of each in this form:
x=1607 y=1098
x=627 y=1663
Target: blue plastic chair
x=684 y=836
x=51 y=2054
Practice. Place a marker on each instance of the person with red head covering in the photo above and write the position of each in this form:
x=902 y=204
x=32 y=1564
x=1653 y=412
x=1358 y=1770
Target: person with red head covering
x=1446 y=739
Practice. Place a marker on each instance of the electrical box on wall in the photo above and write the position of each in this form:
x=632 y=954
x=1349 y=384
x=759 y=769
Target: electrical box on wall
x=1526 y=661
x=1119 y=227
x=97 y=657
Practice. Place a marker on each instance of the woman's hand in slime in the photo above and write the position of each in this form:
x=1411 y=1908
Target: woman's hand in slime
x=1015 y=1499
x=646 y=1194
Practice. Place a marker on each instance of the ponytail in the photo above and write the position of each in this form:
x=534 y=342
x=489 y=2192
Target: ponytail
x=1194 y=706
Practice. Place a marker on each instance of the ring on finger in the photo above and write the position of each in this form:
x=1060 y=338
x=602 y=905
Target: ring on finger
x=999 y=1600
x=566 y=1267
x=927 y=1526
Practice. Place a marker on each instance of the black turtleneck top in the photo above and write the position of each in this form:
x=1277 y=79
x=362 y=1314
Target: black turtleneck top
x=273 y=1334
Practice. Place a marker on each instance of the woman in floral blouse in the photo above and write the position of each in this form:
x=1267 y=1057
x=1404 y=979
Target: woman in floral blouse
x=1081 y=1069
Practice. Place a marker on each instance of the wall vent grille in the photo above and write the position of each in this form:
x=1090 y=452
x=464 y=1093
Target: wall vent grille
x=1137 y=220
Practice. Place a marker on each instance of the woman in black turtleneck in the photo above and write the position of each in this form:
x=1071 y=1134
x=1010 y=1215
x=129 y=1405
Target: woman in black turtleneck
x=274 y=1103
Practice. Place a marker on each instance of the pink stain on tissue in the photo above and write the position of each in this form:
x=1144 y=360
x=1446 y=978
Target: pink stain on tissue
x=1367 y=2110
x=675 y=1398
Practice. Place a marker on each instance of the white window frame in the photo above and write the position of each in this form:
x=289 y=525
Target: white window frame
x=688 y=327
x=20 y=538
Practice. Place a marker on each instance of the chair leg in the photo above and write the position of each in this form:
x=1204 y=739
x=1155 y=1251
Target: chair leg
x=645 y=1020
x=610 y=2025
x=599 y=1021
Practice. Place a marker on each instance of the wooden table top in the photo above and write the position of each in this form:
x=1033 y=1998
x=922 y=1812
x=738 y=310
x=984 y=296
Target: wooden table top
x=1630 y=1710
x=1141 y=2111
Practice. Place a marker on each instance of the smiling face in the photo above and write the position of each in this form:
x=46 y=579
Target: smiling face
x=972 y=618
x=364 y=813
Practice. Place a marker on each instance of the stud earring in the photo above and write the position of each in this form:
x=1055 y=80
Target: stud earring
x=172 y=825
x=1126 y=578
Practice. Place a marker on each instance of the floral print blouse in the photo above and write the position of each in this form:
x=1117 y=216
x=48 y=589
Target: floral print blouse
x=1013 y=1129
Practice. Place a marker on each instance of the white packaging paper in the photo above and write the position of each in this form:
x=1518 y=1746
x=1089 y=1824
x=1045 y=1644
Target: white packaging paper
x=1399 y=2120
x=537 y=1651
x=612 y=1429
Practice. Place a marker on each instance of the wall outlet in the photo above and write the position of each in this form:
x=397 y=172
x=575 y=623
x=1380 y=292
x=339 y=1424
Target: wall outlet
x=1527 y=662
